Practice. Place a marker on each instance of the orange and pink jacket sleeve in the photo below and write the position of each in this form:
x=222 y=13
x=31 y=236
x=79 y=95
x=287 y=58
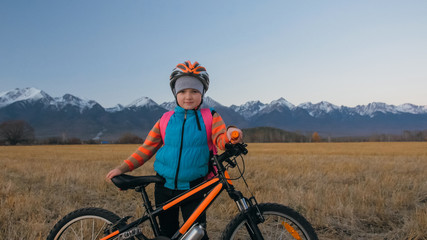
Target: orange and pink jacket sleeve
x=219 y=132
x=144 y=152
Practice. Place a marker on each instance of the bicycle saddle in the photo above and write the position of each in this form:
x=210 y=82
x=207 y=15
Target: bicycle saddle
x=125 y=182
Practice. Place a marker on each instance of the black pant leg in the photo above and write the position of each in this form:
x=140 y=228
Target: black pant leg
x=168 y=220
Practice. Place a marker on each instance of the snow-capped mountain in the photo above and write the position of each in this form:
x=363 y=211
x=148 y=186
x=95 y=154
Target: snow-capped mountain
x=22 y=94
x=142 y=102
x=116 y=108
x=249 y=109
x=379 y=107
x=86 y=118
x=375 y=107
x=280 y=105
x=73 y=101
x=168 y=105
x=255 y=109
x=318 y=109
x=32 y=95
x=411 y=108
x=281 y=102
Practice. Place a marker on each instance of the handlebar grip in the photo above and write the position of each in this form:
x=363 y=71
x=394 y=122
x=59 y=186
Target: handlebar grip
x=235 y=135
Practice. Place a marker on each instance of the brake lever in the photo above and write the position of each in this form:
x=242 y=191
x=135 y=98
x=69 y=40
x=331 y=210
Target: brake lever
x=243 y=148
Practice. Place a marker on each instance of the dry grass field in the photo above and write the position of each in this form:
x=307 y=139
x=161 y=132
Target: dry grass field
x=346 y=190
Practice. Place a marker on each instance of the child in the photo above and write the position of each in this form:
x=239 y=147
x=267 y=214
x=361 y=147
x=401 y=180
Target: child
x=183 y=152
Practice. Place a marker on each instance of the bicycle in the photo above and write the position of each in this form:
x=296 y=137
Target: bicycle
x=255 y=220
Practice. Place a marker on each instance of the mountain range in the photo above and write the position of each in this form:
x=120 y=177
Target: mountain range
x=70 y=116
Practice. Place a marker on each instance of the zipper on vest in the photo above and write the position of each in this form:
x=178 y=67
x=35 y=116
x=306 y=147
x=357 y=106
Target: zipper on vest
x=197 y=120
x=180 y=150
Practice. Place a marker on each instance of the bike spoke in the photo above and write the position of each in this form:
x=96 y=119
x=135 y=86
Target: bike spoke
x=75 y=233
x=85 y=229
x=274 y=227
x=93 y=229
x=100 y=230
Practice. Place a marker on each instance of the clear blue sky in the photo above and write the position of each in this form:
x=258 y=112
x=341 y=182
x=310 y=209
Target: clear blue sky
x=344 y=52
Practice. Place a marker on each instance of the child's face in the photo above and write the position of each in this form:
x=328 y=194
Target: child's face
x=189 y=98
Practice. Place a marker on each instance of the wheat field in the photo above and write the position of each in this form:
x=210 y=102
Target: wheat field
x=346 y=190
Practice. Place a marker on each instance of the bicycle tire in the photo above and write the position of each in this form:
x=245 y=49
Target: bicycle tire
x=281 y=222
x=83 y=222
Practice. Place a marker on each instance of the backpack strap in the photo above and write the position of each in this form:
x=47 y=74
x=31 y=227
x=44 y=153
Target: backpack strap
x=164 y=122
x=207 y=115
x=207 y=119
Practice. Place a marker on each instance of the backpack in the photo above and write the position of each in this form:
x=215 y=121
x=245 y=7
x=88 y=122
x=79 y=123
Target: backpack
x=207 y=119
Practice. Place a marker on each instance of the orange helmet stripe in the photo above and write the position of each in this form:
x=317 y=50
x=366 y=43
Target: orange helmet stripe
x=189 y=67
x=183 y=67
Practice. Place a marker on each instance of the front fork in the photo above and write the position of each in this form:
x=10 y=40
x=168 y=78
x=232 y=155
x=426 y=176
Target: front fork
x=249 y=207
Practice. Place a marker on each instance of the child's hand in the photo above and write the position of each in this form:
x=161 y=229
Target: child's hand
x=234 y=139
x=113 y=173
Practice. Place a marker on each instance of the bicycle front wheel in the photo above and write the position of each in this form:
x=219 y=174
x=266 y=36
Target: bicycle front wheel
x=85 y=223
x=281 y=222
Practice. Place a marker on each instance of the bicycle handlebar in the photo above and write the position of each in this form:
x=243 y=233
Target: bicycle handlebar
x=233 y=150
x=236 y=149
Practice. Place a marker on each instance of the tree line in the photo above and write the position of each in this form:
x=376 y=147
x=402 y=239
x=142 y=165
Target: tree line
x=21 y=132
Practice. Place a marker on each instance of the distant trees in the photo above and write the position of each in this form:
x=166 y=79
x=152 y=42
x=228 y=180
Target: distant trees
x=60 y=141
x=415 y=135
x=21 y=132
x=16 y=132
x=269 y=134
x=406 y=136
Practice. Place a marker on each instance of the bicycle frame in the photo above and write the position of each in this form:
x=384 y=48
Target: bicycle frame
x=212 y=187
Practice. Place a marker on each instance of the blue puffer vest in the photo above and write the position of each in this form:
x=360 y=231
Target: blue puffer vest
x=185 y=154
